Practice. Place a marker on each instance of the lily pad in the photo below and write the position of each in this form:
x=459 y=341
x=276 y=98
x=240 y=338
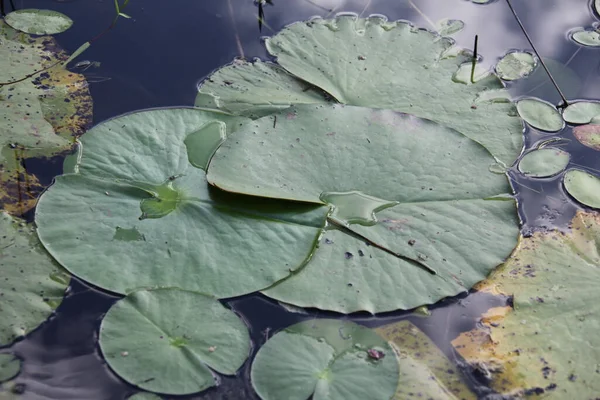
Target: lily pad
x=544 y=162
x=588 y=135
x=325 y=359
x=180 y=338
x=425 y=372
x=40 y=114
x=9 y=367
x=540 y=115
x=448 y=27
x=144 y=396
x=587 y=38
x=361 y=161
x=545 y=344
x=515 y=65
x=254 y=89
x=140 y=215
x=583 y=186
x=581 y=112
x=38 y=22
x=32 y=284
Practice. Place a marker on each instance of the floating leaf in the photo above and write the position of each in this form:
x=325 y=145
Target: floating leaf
x=179 y=337
x=448 y=27
x=547 y=343
x=425 y=372
x=583 y=186
x=588 y=135
x=38 y=22
x=587 y=38
x=544 y=162
x=353 y=69
x=140 y=215
x=360 y=161
x=32 y=284
x=40 y=114
x=254 y=89
x=9 y=367
x=144 y=396
x=540 y=115
x=581 y=112
x=325 y=359
x=515 y=65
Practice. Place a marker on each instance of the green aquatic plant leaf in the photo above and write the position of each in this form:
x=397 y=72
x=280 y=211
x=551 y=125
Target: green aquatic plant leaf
x=448 y=27
x=32 y=284
x=398 y=180
x=540 y=115
x=144 y=396
x=425 y=372
x=546 y=343
x=543 y=163
x=375 y=63
x=587 y=38
x=254 y=89
x=583 y=186
x=9 y=367
x=515 y=65
x=325 y=360
x=141 y=215
x=38 y=22
x=581 y=112
x=588 y=135
x=170 y=340
x=40 y=114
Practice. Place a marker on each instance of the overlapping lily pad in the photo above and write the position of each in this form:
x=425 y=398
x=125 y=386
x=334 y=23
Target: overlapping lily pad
x=588 y=135
x=38 y=22
x=544 y=162
x=515 y=65
x=361 y=161
x=169 y=340
x=32 y=284
x=325 y=359
x=546 y=344
x=140 y=215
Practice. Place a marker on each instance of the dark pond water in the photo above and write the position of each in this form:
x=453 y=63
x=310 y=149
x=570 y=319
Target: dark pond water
x=158 y=58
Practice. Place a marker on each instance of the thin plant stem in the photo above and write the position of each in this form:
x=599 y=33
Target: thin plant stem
x=367 y=5
x=562 y=96
x=474 y=61
x=319 y=6
x=422 y=14
x=237 y=36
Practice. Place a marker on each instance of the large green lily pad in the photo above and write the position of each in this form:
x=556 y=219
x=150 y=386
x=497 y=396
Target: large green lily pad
x=325 y=359
x=393 y=65
x=32 y=284
x=547 y=343
x=168 y=340
x=361 y=161
x=40 y=114
x=140 y=215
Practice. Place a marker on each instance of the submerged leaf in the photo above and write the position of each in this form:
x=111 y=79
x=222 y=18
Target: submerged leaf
x=547 y=343
x=544 y=162
x=540 y=115
x=169 y=340
x=140 y=215
x=32 y=284
x=581 y=112
x=9 y=367
x=587 y=38
x=583 y=186
x=515 y=65
x=588 y=135
x=448 y=27
x=361 y=161
x=38 y=22
x=325 y=360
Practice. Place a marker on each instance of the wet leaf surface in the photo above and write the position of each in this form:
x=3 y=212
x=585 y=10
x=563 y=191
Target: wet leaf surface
x=515 y=65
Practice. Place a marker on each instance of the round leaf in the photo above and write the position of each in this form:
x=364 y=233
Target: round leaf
x=140 y=215
x=168 y=340
x=362 y=161
x=540 y=115
x=448 y=27
x=392 y=65
x=581 y=112
x=515 y=65
x=32 y=284
x=583 y=186
x=543 y=163
x=587 y=38
x=38 y=22
x=588 y=135
x=144 y=396
x=325 y=359
x=9 y=367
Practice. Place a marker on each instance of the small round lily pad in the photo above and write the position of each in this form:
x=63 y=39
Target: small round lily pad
x=581 y=112
x=543 y=163
x=9 y=367
x=325 y=359
x=586 y=38
x=38 y=22
x=144 y=396
x=540 y=115
x=515 y=65
x=583 y=186
x=448 y=27
x=588 y=135
x=170 y=340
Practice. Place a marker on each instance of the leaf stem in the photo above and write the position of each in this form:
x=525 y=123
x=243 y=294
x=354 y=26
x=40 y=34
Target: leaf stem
x=474 y=61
